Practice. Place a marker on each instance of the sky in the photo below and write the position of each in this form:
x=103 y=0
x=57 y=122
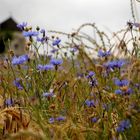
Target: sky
x=66 y=15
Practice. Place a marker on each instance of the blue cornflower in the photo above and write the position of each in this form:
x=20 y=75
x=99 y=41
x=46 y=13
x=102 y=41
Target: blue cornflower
x=124 y=92
x=135 y=24
x=108 y=65
x=48 y=67
x=17 y=83
x=61 y=118
x=48 y=94
x=90 y=103
x=121 y=83
x=114 y=64
x=73 y=50
x=9 y=102
x=30 y=33
x=40 y=67
x=45 y=67
x=24 y=57
x=111 y=64
x=40 y=39
x=42 y=31
x=51 y=120
x=95 y=119
x=22 y=25
x=118 y=91
x=120 y=63
x=128 y=91
x=56 y=42
x=123 y=125
x=103 y=54
x=90 y=74
x=56 y=61
x=19 y=60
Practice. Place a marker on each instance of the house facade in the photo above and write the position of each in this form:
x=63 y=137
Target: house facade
x=11 y=38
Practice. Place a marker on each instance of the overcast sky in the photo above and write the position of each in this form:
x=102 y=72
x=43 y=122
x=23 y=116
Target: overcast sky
x=65 y=15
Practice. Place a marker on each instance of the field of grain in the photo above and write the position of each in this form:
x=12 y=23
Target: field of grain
x=79 y=88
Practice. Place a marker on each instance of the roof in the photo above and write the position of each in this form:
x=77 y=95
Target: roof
x=9 y=25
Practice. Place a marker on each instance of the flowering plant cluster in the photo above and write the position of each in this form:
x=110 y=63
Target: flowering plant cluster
x=67 y=93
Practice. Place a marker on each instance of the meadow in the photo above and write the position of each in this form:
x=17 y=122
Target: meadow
x=85 y=88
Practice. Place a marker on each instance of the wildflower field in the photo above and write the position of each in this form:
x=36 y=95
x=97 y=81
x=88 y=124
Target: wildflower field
x=82 y=87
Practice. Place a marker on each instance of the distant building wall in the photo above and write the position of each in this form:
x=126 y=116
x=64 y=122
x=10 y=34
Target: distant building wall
x=11 y=38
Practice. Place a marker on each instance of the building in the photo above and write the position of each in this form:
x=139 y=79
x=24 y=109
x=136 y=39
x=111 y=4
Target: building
x=11 y=38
